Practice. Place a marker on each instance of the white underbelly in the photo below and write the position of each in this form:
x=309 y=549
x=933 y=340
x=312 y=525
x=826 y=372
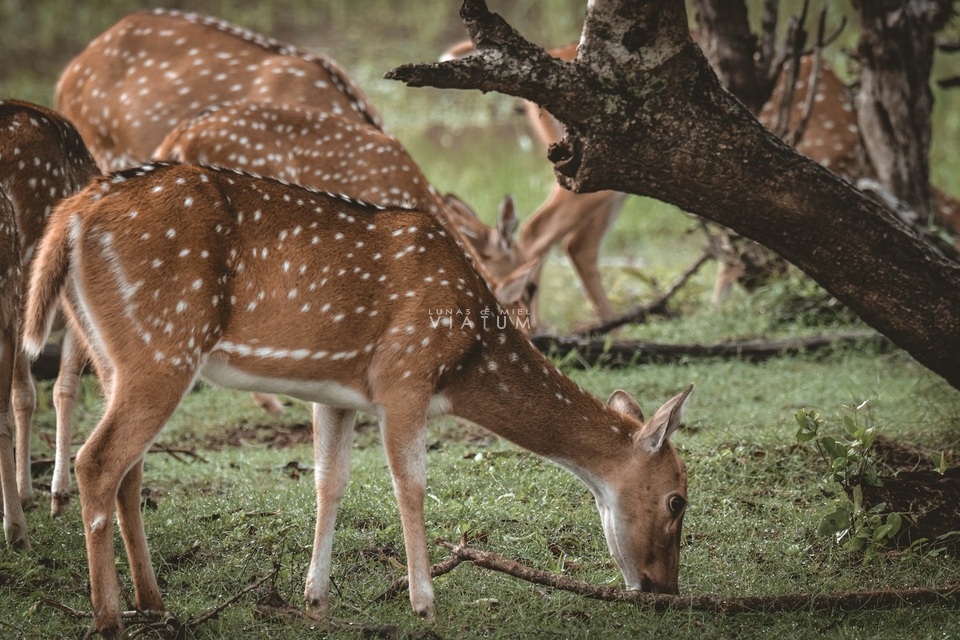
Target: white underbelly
x=328 y=392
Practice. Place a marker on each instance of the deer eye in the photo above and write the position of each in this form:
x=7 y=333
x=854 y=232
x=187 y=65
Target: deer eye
x=676 y=504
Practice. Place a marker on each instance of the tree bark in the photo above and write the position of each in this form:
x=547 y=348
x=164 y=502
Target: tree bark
x=645 y=114
x=894 y=102
x=733 y=51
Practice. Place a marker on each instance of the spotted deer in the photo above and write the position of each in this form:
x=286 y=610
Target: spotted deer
x=42 y=160
x=325 y=150
x=153 y=70
x=14 y=523
x=174 y=272
x=141 y=77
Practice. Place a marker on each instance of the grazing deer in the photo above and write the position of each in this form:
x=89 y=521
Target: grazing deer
x=174 y=272
x=118 y=91
x=14 y=523
x=42 y=160
x=140 y=78
x=580 y=219
x=324 y=150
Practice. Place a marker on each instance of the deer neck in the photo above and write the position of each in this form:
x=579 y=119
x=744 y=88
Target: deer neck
x=510 y=388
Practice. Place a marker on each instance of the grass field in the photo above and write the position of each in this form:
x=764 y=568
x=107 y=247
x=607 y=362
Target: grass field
x=243 y=503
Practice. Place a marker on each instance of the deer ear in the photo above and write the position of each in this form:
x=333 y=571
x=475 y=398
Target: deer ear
x=458 y=206
x=506 y=222
x=623 y=402
x=511 y=289
x=663 y=423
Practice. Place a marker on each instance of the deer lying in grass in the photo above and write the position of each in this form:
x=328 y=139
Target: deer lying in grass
x=174 y=272
x=42 y=160
x=14 y=523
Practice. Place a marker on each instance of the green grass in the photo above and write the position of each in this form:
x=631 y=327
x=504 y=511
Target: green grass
x=755 y=497
x=754 y=501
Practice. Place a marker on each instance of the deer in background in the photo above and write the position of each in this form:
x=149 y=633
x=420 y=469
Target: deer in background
x=42 y=160
x=111 y=91
x=174 y=272
x=14 y=523
x=582 y=219
x=140 y=78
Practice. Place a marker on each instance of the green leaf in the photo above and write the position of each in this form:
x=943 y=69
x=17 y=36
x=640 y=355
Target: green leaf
x=835 y=521
x=895 y=522
x=855 y=544
x=857 y=499
x=850 y=426
x=940 y=463
x=881 y=532
x=833 y=449
x=807 y=426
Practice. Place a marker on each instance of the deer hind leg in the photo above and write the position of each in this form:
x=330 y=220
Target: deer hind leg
x=24 y=405
x=14 y=523
x=134 y=538
x=583 y=247
x=108 y=470
x=403 y=427
x=332 y=442
x=269 y=403
x=65 y=393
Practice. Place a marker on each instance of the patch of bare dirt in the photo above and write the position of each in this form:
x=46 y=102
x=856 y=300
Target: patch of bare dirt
x=277 y=437
x=931 y=500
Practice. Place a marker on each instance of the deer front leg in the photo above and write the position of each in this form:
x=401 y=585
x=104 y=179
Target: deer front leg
x=403 y=426
x=24 y=404
x=332 y=441
x=65 y=392
x=14 y=524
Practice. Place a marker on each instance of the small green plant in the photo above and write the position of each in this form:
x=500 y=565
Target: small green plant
x=850 y=465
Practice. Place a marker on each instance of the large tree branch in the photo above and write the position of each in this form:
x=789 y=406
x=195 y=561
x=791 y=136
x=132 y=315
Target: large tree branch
x=645 y=114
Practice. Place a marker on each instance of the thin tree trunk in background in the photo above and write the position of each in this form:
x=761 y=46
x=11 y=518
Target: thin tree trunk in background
x=724 y=35
x=645 y=114
x=895 y=101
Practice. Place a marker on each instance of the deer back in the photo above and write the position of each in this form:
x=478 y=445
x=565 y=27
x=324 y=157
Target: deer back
x=141 y=77
x=173 y=262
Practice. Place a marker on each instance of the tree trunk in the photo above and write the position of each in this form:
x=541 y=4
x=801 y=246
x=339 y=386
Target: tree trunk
x=894 y=103
x=645 y=114
x=724 y=35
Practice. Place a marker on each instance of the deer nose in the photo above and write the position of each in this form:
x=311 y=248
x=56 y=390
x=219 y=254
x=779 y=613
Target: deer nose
x=647 y=585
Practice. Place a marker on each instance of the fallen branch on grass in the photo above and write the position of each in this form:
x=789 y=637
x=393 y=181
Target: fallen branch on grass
x=402 y=584
x=619 y=353
x=176 y=452
x=39 y=466
x=657 y=306
x=843 y=600
x=164 y=621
